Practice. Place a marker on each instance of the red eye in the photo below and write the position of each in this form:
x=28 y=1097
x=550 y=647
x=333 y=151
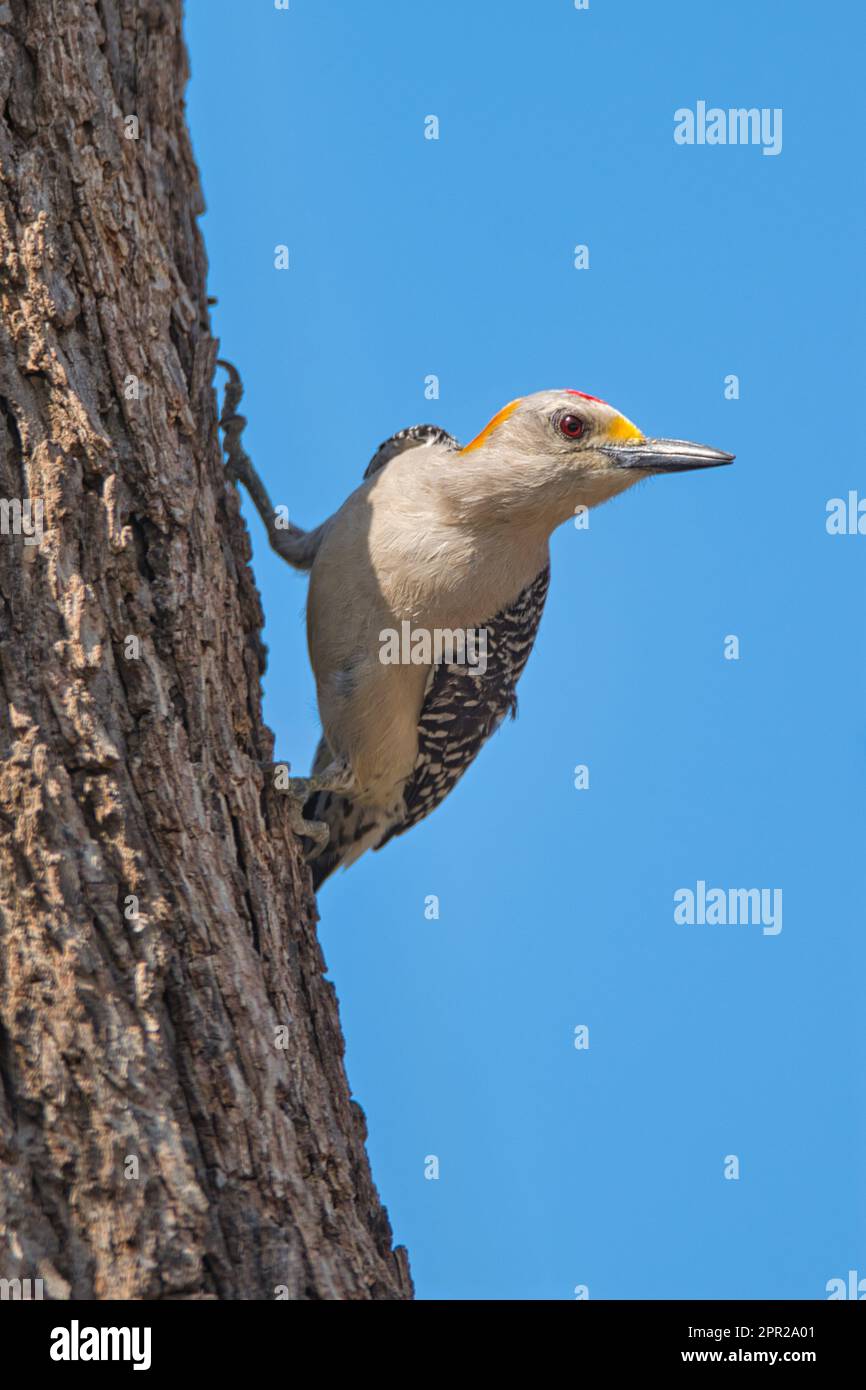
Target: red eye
x=571 y=426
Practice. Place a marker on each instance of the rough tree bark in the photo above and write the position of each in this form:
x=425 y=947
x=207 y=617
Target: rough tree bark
x=156 y=923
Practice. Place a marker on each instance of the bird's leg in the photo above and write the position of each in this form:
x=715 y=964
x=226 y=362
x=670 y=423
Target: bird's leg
x=336 y=777
x=239 y=466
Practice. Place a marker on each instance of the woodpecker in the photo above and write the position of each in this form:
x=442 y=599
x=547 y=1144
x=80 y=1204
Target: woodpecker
x=448 y=539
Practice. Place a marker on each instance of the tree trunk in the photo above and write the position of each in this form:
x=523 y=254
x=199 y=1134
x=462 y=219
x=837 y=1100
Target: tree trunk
x=175 y=1119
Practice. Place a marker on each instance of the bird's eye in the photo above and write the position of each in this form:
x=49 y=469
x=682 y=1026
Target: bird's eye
x=571 y=426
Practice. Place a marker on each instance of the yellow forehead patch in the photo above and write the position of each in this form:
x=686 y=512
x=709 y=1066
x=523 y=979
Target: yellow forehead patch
x=621 y=429
x=492 y=425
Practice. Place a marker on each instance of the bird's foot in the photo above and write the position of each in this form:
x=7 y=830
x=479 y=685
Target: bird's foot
x=337 y=777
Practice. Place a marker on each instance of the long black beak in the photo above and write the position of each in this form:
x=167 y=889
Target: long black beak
x=666 y=455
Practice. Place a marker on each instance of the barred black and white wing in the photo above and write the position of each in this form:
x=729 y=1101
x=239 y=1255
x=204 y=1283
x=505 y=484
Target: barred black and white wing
x=462 y=709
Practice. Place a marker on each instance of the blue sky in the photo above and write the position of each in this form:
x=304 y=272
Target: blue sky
x=601 y=1167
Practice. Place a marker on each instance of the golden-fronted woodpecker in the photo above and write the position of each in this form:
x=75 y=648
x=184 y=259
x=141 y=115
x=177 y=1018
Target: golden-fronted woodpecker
x=437 y=540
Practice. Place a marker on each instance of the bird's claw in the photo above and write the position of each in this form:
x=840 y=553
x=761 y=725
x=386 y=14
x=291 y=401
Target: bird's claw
x=336 y=778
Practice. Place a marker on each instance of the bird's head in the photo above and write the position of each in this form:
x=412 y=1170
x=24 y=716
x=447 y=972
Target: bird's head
x=548 y=452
